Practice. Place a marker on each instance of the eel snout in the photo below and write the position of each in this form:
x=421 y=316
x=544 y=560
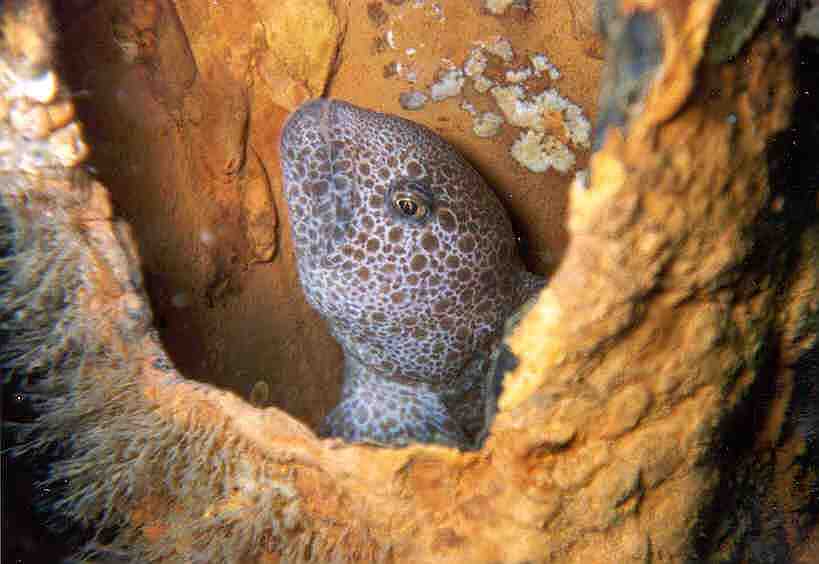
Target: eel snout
x=319 y=200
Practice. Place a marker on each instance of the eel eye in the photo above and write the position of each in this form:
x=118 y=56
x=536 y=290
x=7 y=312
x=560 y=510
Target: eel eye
x=410 y=206
x=411 y=201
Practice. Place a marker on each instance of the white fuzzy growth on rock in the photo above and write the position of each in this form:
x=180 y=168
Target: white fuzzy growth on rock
x=42 y=89
x=551 y=101
x=577 y=126
x=487 y=124
x=527 y=112
x=518 y=75
x=539 y=152
x=413 y=100
x=475 y=64
x=481 y=84
x=501 y=47
x=450 y=84
x=541 y=64
x=498 y=7
x=517 y=110
x=469 y=108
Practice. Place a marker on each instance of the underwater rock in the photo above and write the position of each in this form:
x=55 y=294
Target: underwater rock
x=689 y=285
x=259 y=210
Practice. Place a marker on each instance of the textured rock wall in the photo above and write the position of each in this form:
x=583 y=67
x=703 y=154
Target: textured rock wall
x=677 y=310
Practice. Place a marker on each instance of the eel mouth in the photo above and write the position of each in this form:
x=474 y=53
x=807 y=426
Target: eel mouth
x=326 y=202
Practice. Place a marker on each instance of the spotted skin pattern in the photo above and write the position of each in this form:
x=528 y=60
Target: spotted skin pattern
x=411 y=259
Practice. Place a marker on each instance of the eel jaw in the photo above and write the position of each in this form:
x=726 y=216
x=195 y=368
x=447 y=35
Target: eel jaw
x=320 y=208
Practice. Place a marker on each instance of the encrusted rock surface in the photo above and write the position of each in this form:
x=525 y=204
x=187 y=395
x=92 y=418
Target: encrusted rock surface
x=678 y=308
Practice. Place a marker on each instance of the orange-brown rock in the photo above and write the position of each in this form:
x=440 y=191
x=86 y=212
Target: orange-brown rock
x=675 y=306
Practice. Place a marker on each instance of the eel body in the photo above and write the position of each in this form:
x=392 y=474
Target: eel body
x=411 y=259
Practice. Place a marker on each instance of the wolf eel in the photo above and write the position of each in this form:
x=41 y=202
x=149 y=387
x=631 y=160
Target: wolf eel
x=411 y=259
